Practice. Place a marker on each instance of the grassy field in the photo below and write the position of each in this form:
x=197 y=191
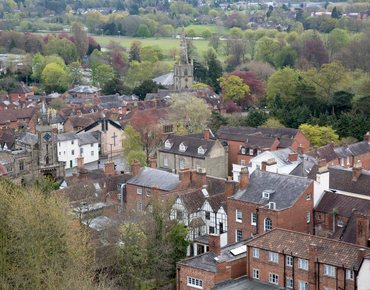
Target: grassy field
x=213 y=28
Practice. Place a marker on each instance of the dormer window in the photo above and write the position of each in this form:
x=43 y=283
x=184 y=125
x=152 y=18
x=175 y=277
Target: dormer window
x=250 y=151
x=272 y=205
x=182 y=147
x=167 y=145
x=201 y=150
x=243 y=150
x=265 y=195
x=258 y=152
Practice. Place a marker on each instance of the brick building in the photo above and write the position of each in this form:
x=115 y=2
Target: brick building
x=80 y=121
x=21 y=92
x=237 y=137
x=85 y=92
x=268 y=200
x=18 y=118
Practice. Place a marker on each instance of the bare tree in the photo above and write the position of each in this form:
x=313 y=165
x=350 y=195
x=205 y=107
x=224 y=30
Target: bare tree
x=81 y=42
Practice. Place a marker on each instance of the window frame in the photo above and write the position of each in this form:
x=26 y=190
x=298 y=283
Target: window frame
x=302 y=264
x=270 y=225
x=148 y=193
x=329 y=271
x=243 y=150
x=351 y=274
x=309 y=196
x=242 y=162
x=256 y=274
x=251 y=152
x=182 y=163
x=308 y=217
x=139 y=191
x=256 y=253
x=274 y=278
x=192 y=282
x=289 y=261
x=274 y=257
x=237 y=212
x=253 y=219
x=239 y=237
x=304 y=284
x=289 y=283
x=165 y=160
x=208 y=215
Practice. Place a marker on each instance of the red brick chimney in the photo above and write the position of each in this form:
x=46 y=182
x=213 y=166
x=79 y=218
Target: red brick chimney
x=331 y=143
x=293 y=157
x=345 y=144
x=244 y=178
x=109 y=168
x=80 y=163
x=214 y=242
x=322 y=162
x=361 y=253
x=356 y=171
x=362 y=229
x=135 y=168
x=153 y=163
x=83 y=175
x=74 y=177
x=263 y=165
x=229 y=187
x=367 y=137
x=312 y=254
x=185 y=175
x=300 y=149
x=201 y=177
x=206 y=134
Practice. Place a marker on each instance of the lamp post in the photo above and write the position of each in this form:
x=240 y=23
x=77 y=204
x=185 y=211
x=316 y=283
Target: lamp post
x=119 y=38
x=102 y=35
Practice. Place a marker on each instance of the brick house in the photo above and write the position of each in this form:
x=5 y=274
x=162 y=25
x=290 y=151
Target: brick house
x=17 y=118
x=187 y=151
x=85 y=92
x=236 y=138
x=268 y=200
x=79 y=122
x=21 y=92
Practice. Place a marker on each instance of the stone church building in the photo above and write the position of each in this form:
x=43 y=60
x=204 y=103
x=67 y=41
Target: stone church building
x=35 y=155
x=182 y=75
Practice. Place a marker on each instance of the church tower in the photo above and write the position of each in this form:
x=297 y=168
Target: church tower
x=183 y=70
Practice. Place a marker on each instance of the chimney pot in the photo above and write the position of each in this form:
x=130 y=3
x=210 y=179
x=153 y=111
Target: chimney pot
x=345 y=144
x=293 y=157
x=214 y=242
x=367 y=137
x=356 y=171
x=361 y=254
x=135 y=168
x=322 y=162
x=244 y=178
x=153 y=163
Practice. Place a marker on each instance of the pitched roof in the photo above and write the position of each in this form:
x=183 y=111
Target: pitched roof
x=148 y=177
x=216 y=201
x=67 y=136
x=84 y=120
x=108 y=99
x=329 y=251
x=286 y=189
x=16 y=114
x=84 y=89
x=109 y=105
x=27 y=138
x=326 y=152
x=191 y=145
x=165 y=80
x=353 y=149
x=257 y=141
x=21 y=89
x=193 y=201
x=228 y=132
x=86 y=138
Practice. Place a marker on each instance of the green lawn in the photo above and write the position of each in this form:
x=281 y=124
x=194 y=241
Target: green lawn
x=213 y=28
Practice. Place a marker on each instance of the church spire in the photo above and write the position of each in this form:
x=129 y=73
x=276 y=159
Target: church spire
x=183 y=55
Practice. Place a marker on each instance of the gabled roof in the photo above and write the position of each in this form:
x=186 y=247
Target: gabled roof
x=165 y=80
x=84 y=89
x=226 y=132
x=148 y=177
x=92 y=126
x=193 y=201
x=84 y=120
x=57 y=119
x=108 y=99
x=329 y=251
x=27 y=138
x=353 y=149
x=22 y=89
x=287 y=189
x=109 y=105
x=86 y=138
x=326 y=152
x=257 y=141
x=67 y=136
x=215 y=201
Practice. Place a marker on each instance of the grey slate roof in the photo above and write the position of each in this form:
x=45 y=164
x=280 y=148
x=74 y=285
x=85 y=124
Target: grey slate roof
x=57 y=119
x=149 y=176
x=245 y=283
x=84 y=89
x=109 y=105
x=353 y=149
x=287 y=189
x=276 y=132
x=86 y=138
x=78 y=100
x=108 y=99
x=165 y=80
x=34 y=97
x=67 y=136
x=22 y=89
x=27 y=138
x=129 y=98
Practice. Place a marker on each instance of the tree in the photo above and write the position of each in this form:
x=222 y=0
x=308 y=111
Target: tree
x=281 y=56
x=101 y=73
x=216 y=121
x=146 y=87
x=12 y=45
x=266 y=49
x=263 y=70
x=146 y=125
x=216 y=43
x=272 y=123
x=80 y=39
x=135 y=48
x=288 y=61
x=255 y=119
x=57 y=104
x=314 y=51
x=115 y=86
x=213 y=73
x=335 y=13
x=147 y=53
x=206 y=33
x=55 y=78
x=363 y=104
x=341 y=101
x=191 y=32
x=232 y=107
x=38 y=66
x=159 y=51
x=143 y=31
x=75 y=73
x=236 y=32
x=62 y=47
x=119 y=65
x=319 y=136
x=173 y=52
x=132 y=148
x=233 y=88
x=136 y=74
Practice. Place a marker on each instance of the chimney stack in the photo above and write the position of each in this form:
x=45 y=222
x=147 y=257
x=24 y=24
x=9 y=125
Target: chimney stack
x=345 y=144
x=185 y=175
x=362 y=229
x=79 y=113
x=244 y=178
x=312 y=254
x=135 y=168
x=153 y=163
x=214 y=242
x=206 y=134
x=263 y=165
x=83 y=175
x=74 y=177
x=300 y=148
x=331 y=143
x=367 y=137
x=293 y=157
x=356 y=171
x=201 y=177
x=109 y=168
x=361 y=253
x=229 y=187
x=80 y=163
x=322 y=162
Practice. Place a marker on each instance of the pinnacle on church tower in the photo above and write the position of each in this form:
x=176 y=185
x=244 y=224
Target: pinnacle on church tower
x=183 y=54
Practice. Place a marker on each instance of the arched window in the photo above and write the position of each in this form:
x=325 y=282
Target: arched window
x=47 y=160
x=186 y=72
x=268 y=225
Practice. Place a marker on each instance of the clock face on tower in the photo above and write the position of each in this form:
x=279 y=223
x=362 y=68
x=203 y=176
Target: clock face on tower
x=47 y=137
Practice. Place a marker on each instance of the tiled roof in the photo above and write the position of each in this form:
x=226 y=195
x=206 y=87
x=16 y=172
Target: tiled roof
x=257 y=141
x=193 y=201
x=84 y=120
x=109 y=105
x=148 y=177
x=285 y=142
x=287 y=189
x=22 y=89
x=215 y=201
x=326 y=152
x=84 y=110
x=329 y=251
x=272 y=132
x=57 y=119
x=14 y=115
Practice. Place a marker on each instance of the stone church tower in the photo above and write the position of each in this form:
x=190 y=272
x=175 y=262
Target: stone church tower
x=183 y=70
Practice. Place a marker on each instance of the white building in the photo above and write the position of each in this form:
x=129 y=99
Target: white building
x=363 y=278
x=71 y=145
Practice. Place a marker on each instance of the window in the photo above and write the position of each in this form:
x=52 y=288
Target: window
x=256 y=274
x=211 y=230
x=239 y=215
x=256 y=253
x=239 y=235
x=342 y=162
x=272 y=205
x=198 y=165
x=165 y=161
x=21 y=165
x=139 y=205
x=349 y=274
x=258 y=152
x=302 y=285
x=81 y=151
x=196 y=283
x=243 y=150
x=243 y=162
x=308 y=216
x=182 y=163
x=347 y=160
x=201 y=151
x=47 y=160
x=268 y=225
x=303 y=264
x=273 y=257
x=340 y=223
x=92 y=145
x=92 y=153
x=258 y=166
x=329 y=271
x=148 y=193
x=358 y=159
x=250 y=151
x=73 y=152
x=60 y=153
x=75 y=160
x=167 y=145
x=274 y=279
x=182 y=147
x=138 y=191
x=73 y=142
x=309 y=196
x=208 y=215
x=253 y=219
x=47 y=147
x=289 y=283
x=319 y=217
x=289 y=261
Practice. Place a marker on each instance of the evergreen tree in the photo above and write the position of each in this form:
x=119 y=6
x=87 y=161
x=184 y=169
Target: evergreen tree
x=288 y=61
x=12 y=45
x=278 y=104
x=214 y=72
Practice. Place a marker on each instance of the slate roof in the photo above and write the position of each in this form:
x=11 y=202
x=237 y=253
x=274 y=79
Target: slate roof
x=129 y=98
x=21 y=89
x=84 y=120
x=285 y=143
x=57 y=119
x=78 y=100
x=340 y=178
x=148 y=177
x=84 y=89
x=165 y=80
x=226 y=132
x=287 y=189
x=27 y=138
x=86 y=138
x=8 y=139
x=109 y=99
x=256 y=141
x=326 y=152
x=353 y=149
x=109 y=105
x=67 y=136
x=329 y=251
x=84 y=110
x=192 y=145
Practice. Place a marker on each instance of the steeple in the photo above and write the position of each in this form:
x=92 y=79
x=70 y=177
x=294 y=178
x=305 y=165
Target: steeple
x=183 y=55
x=44 y=114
